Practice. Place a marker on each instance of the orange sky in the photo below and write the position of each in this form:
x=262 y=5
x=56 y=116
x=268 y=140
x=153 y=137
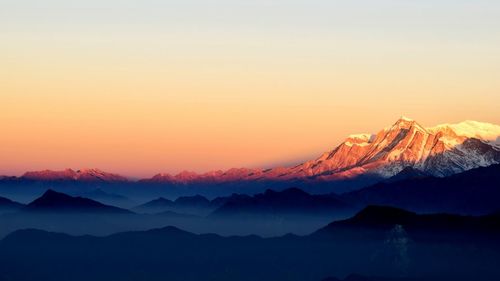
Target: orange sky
x=139 y=96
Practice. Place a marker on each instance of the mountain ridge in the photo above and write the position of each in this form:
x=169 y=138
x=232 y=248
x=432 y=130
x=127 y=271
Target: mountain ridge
x=53 y=201
x=440 y=151
x=393 y=242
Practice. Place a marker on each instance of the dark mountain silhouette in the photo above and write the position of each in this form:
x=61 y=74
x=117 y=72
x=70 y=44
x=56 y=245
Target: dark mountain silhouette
x=289 y=201
x=195 y=201
x=378 y=241
x=7 y=205
x=107 y=198
x=475 y=191
x=62 y=213
x=197 y=205
x=52 y=201
x=155 y=206
x=54 y=211
x=101 y=194
x=374 y=222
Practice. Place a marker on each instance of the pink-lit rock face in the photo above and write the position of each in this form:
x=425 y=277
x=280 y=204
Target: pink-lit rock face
x=440 y=151
x=89 y=175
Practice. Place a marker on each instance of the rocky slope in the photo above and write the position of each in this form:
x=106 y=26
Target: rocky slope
x=440 y=151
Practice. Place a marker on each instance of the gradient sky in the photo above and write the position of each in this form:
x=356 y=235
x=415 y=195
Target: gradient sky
x=146 y=86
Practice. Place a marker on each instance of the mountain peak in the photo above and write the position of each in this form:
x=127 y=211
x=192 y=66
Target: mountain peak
x=437 y=151
x=376 y=212
x=406 y=123
x=404 y=118
x=52 y=193
x=472 y=129
x=56 y=201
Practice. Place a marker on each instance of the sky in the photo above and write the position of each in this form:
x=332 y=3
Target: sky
x=140 y=87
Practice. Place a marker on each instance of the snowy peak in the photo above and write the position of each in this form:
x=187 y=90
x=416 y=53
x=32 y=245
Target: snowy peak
x=98 y=175
x=472 y=129
x=358 y=139
x=404 y=118
x=405 y=123
x=439 y=151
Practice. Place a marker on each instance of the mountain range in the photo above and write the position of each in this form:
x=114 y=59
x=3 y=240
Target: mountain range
x=84 y=175
x=439 y=151
x=194 y=205
x=283 y=204
x=429 y=211
x=476 y=191
x=270 y=213
x=378 y=241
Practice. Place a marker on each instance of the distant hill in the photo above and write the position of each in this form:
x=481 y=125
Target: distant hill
x=107 y=198
x=375 y=222
x=378 y=241
x=195 y=205
x=476 y=191
x=52 y=201
x=155 y=206
x=7 y=205
x=292 y=201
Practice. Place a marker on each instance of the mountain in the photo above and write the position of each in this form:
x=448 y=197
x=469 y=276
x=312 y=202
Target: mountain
x=52 y=201
x=195 y=201
x=476 y=191
x=440 y=151
x=7 y=205
x=292 y=201
x=375 y=222
x=360 y=160
x=378 y=241
x=187 y=177
x=473 y=129
x=155 y=206
x=107 y=198
x=193 y=205
x=84 y=175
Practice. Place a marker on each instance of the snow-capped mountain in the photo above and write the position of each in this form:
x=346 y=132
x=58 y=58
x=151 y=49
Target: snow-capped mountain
x=440 y=151
x=473 y=129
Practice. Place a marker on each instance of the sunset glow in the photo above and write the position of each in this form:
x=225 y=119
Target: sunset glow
x=141 y=87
